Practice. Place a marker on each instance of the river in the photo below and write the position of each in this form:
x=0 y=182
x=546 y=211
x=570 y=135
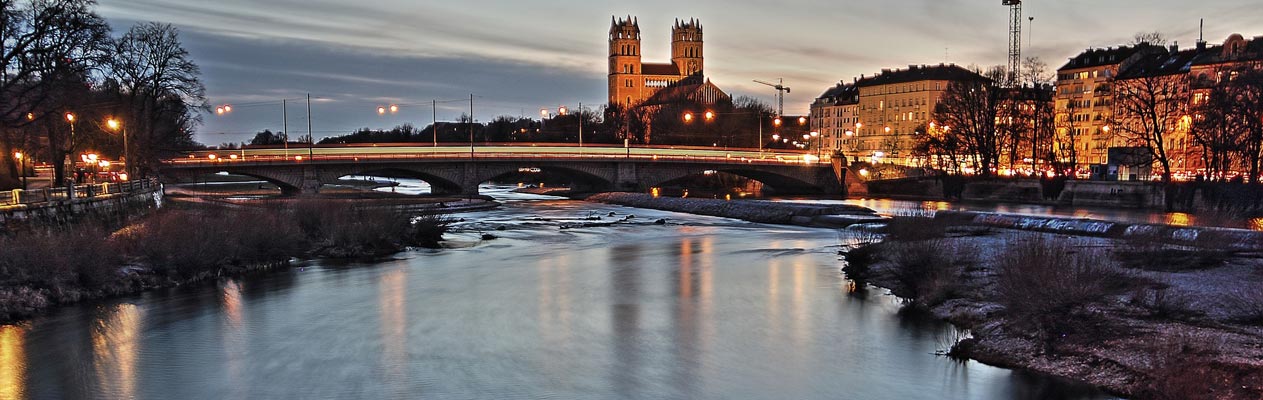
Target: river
x=699 y=308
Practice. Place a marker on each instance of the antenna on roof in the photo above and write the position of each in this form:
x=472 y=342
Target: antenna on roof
x=1201 y=30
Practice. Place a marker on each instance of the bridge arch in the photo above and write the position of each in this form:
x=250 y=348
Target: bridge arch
x=438 y=183
x=583 y=179
x=774 y=181
x=286 y=185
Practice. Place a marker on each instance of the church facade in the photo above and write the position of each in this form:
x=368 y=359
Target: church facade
x=633 y=81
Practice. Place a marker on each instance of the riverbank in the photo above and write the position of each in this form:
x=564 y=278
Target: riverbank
x=179 y=246
x=1138 y=315
x=768 y=212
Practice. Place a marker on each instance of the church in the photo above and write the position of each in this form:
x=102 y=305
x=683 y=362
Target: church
x=635 y=83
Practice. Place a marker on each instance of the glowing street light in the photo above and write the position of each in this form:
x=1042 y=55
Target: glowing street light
x=394 y=108
x=381 y=110
x=688 y=117
x=710 y=115
x=561 y=110
x=22 y=165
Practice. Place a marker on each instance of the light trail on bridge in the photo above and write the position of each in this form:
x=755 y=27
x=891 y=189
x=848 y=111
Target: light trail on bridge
x=451 y=152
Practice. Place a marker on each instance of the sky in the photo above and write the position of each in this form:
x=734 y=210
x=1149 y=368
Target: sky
x=518 y=56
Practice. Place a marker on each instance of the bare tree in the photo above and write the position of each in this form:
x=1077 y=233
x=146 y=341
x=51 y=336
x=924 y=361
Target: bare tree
x=161 y=87
x=967 y=110
x=1149 y=38
x=1246 y=86
x=1147 y=109
x=1215 y=128
x=45 y=45
x=1069 y=150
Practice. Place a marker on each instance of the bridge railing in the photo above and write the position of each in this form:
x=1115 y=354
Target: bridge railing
x=45 y=195
x=357 y=154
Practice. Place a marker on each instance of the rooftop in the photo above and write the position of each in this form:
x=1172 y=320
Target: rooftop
x=915 y=73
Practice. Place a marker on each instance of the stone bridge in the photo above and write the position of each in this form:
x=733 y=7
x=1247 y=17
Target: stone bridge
x=461 y=173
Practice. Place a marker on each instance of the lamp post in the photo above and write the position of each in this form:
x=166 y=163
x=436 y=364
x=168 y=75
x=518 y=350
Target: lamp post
x=117 y=125
x=21 y=167
x=70 y=118
x=819 y=143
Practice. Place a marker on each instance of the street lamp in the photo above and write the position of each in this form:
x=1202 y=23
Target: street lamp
x=819 y=143
x=21 y=166
x=117 y=125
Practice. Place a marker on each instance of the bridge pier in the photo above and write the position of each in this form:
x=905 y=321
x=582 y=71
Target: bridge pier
x=310 y=182
x=625 y=177
x=469 y=180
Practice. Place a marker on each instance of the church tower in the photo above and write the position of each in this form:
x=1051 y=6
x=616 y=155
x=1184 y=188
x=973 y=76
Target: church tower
x=625 y=65
x=686 y=46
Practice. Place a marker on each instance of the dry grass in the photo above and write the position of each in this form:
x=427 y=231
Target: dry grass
x=927 y=272
x=52 y=259
x=1045 y=285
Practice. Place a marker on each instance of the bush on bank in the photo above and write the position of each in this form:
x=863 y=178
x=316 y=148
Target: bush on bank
x=40 y=269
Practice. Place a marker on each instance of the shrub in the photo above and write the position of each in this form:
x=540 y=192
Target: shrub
x=188 y=243
x=428 y=229
x=56 y=259
x=926 y=271
x=1042 y=283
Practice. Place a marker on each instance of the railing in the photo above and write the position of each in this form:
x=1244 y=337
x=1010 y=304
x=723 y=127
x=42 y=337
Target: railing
x=45 y=195
x=392 y=153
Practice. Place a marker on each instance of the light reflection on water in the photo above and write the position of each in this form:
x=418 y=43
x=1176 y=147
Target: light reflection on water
x=702 y=308
x=12 y=362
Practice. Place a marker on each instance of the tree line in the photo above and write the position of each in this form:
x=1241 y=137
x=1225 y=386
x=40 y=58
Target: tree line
x=982 y=126
x=63 y=75
x=1211 y=123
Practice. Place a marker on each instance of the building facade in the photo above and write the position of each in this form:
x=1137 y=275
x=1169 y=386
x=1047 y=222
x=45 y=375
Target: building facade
x=632 y=81
x=1084 y=101
x=834 y=115
x=893 y=105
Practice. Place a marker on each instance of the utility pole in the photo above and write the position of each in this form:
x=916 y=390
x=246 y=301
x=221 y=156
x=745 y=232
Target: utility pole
x=285 y=126
x=434 y=124
x=311 y=136
x=471 y=126
x=580 y=116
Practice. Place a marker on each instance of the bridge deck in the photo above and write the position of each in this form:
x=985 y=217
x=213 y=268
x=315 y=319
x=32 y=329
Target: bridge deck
x=318 y=154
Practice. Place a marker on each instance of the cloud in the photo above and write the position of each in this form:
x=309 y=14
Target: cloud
x=518 y=56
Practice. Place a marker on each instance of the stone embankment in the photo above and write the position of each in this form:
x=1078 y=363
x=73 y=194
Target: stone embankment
x=92 y=202
x=769 y=212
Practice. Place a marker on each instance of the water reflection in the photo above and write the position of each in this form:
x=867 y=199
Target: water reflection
x=625 y=313
x=235 y=337
x=115 y=348
x=12 y=362
x=394 y=310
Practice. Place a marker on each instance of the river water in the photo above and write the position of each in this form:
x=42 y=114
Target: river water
x=699 y=308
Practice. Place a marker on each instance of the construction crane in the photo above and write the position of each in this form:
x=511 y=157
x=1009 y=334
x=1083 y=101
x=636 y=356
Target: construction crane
x=781 y=89
x=1015 y=39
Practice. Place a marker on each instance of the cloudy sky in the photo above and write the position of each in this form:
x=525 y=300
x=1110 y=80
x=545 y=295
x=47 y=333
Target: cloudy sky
x=518 y=56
